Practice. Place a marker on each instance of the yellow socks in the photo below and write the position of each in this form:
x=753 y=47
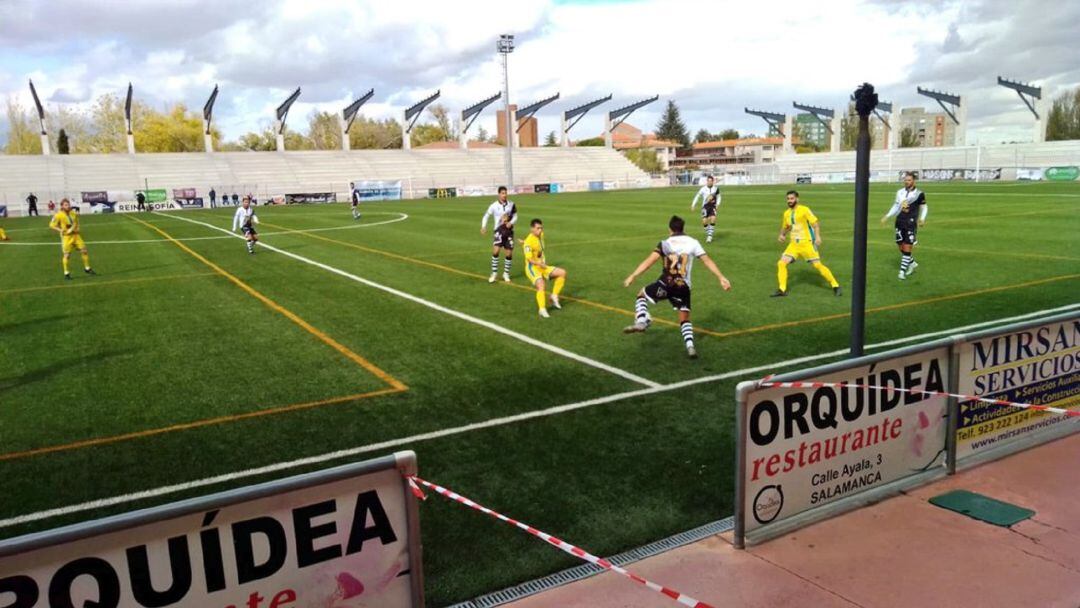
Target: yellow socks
x=541 y=300
x=781 y=275
x=86 y=261
x=825 y=272
x=65 y=260
x=559 y=282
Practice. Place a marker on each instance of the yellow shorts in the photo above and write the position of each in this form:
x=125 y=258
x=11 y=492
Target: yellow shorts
x=72 y=242
x=535 y=272
x=804 y=250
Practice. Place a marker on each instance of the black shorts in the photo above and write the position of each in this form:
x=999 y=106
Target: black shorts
x=708 y=210
x=249 y=231
x=503 y=238
x=677 y=295
x=906 y=235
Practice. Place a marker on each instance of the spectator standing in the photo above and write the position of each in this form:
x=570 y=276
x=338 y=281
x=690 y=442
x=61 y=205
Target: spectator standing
x=31 y=201
x=213 y=198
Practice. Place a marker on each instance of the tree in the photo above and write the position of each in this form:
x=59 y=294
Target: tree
x=175 y=131
x=482 y=135
x=62 y=144
x=702 y=136
x=671 y=127
x=798 y=132
x=22 y=136
x=442 y=120
x=591 y=142
x=550 y=141
x=849 y=129
x=645 y=159
x=1063 y=119
x=324 y=130
x=728 y=134
x=908 y=138
x=371 y=134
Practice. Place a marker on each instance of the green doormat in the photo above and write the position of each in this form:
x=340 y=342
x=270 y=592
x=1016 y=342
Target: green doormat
x=982 y=507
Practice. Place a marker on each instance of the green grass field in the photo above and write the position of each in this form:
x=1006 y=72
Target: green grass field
x=163 y=370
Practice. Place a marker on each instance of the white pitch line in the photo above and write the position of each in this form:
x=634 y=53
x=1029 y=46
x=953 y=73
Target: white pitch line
x=449 y=311
x=401 y=218
x=475 y=426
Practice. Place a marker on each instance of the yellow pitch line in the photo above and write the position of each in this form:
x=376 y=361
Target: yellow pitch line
x=341 y=348
x=170 y=277
x=197 y=424
x=933 y=300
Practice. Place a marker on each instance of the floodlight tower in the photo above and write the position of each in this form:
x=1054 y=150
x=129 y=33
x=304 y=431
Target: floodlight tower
x=127 y=121
x=469 y=116
x=522 y=115
x=774 y=121
x=41 y=121
x=833 y=125
x=208 y=113
x=281 y=113
x=618 y=116
x=956 y=111
x=505 y=46
x=577 y=114
x=348 y=115
x=1036 y=95
x=412 y=114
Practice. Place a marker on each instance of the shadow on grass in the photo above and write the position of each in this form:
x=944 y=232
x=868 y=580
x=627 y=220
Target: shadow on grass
x=47 y=372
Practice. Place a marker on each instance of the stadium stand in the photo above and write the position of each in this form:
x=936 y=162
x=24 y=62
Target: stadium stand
x=272 y=173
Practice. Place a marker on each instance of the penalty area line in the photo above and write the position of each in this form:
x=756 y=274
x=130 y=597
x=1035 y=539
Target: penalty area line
x=476 y=426
x=443 y=309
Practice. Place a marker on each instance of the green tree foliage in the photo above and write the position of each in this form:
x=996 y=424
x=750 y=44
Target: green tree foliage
x=591 y=142
x=442 y=120
x=645 y=159
x=798 y=132
x=23 y=136
x=702 y=136
x=324 y=130
x=175 y=131
x=671 y=127
x=550 y=141
x=371 y=134
x=482 y=134
x=1063 y=119
x=266 y=140
x=849 y=129
x=908 y=139
x=728 y=134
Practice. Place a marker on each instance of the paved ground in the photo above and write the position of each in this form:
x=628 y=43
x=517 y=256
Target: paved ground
x=900 y=552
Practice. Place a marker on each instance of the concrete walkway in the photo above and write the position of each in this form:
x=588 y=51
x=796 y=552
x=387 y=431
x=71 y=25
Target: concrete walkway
x=901 y=552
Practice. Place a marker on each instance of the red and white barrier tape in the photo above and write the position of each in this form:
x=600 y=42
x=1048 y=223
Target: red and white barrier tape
x=765 y=382
x=681 y=598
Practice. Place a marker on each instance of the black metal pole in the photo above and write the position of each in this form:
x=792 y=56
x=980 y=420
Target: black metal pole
x=865 y=101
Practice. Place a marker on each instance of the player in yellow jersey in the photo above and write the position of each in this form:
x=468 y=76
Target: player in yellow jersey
x=66 y=222
x=805 y=230
x=538 y=271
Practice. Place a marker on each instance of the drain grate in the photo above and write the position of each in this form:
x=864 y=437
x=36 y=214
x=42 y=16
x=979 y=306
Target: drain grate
x=577 y=573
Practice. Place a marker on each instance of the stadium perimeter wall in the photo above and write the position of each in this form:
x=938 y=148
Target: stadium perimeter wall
x=409 y=173
x=999 y=162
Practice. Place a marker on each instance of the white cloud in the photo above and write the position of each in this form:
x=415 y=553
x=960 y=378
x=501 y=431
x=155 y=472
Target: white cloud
x=712 y=57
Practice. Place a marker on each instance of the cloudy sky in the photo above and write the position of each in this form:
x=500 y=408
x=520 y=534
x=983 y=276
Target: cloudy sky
x=712 y=57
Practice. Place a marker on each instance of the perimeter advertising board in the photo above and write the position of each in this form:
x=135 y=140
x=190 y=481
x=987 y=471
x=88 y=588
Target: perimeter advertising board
x=1039 y=365
x=338 y=539
x=806 y=448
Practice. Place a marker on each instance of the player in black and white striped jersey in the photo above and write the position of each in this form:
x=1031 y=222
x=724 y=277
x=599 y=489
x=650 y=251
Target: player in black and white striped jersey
x=678 y=252
x=710 y=202
x=910 y=209
x=503 y=214
x=245 y=219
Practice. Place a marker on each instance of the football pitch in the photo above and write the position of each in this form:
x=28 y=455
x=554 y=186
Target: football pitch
x=188 y=366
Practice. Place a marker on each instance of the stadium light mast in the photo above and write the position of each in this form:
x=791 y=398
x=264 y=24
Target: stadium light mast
x=577 y=114
x=411 y=115
x=505 y=46
x=208 y=114
x=45 y=151
x=281 y=114
x=866 y=100
x=615 y=118
x=127 y=120
x=832 y=125
x=1036 y=95
x=775 y=120
x=348 y=115
x=956 y=111
x=469 y=116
